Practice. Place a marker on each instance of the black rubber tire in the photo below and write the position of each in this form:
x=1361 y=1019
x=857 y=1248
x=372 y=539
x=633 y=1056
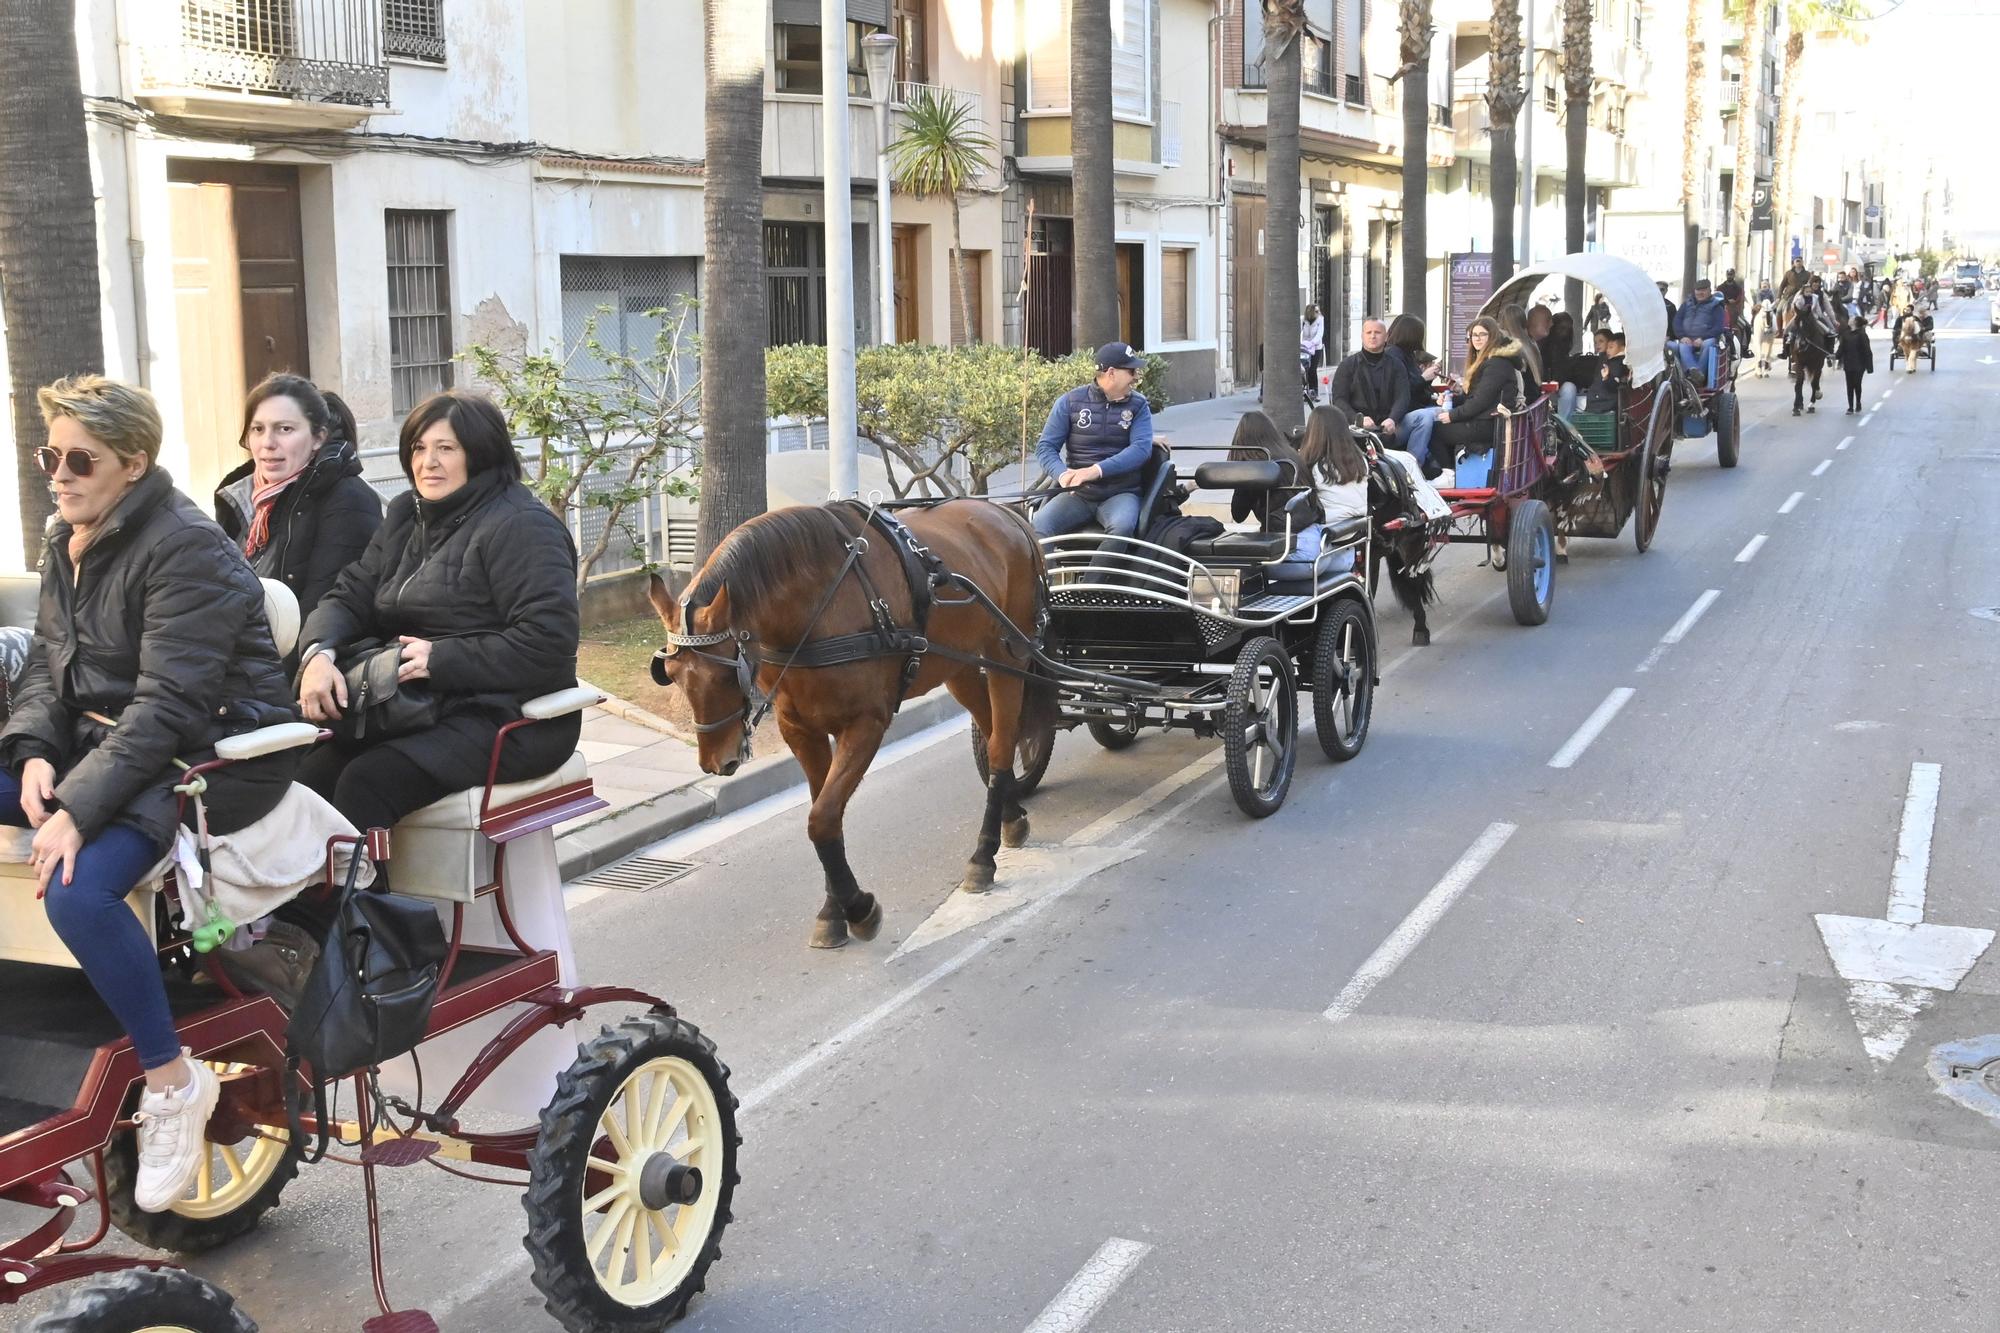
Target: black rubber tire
x=145 y=1298
x=1112 y=735
x=1332 y=677
x=1031 y=758
x=171 y=1231
x=1728 y=429
x=1253 y=800
x=557 y=1168
x=1528 y=518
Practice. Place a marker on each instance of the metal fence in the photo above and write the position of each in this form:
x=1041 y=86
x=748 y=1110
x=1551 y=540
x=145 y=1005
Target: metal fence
x=311 y=50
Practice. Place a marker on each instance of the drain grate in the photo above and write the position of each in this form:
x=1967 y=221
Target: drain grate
x=641 y=874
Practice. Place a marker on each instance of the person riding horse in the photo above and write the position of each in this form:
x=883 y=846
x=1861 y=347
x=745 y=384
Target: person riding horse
x=1809 y=342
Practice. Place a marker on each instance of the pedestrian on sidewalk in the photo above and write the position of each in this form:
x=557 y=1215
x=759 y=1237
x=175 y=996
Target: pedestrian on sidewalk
x=1857 y=358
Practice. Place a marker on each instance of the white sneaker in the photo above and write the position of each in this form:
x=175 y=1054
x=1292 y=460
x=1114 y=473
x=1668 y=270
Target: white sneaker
x=173 y=1137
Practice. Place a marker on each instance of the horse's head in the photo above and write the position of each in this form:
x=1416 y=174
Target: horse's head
x=713 y=664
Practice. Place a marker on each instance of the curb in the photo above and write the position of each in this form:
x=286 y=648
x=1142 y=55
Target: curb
x=617 y=836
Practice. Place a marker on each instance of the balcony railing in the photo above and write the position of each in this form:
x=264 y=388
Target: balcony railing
x=327 y=51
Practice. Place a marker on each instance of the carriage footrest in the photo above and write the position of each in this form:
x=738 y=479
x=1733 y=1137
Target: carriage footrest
x=398 y=1152
x=401 y=1321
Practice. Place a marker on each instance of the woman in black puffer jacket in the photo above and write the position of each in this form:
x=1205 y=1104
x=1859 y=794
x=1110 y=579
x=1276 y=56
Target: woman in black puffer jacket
x=1494 y=376
x=477 y=579
x=150 y=646
x=298 y=509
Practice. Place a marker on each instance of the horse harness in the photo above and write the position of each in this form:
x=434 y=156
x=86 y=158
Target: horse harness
x=923 y=572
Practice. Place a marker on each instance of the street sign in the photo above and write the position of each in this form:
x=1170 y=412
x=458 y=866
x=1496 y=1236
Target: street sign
x=1471 y=282
x=1760 y=205
x=1656 y=242
x=1830 y=256
x=1872 y=212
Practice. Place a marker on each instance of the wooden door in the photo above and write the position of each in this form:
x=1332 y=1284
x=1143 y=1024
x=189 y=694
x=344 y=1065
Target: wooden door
x=1246 y=281
x=903 y=246
x=1132 y=295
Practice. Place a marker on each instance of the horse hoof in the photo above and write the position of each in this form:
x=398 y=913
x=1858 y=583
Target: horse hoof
x=1014 y=833
x=978 y=879
x=870 y=924
x=829 y=934
x=1420 y=638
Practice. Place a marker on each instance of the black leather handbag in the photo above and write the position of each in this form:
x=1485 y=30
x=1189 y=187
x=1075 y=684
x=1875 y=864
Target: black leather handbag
x=379 y=706
x=368 y=998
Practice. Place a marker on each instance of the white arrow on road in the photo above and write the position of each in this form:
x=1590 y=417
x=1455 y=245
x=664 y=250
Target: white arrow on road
x=1895 y=967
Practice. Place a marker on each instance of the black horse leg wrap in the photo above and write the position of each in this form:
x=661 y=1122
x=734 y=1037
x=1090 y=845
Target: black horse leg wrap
x=840 y=881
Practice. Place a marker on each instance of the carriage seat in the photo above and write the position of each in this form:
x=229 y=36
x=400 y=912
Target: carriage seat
x=1254 y=475
x=444 y=850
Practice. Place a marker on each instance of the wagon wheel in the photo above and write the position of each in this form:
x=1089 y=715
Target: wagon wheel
x=1343 y=679
x=146 y=1300
x=237 y=1184
x=1031 y=757
x=1649 y=479
x=1114 y=735
x=1531 y=559
x=1728 y=429
x=631 y=1176
x=1260 y=727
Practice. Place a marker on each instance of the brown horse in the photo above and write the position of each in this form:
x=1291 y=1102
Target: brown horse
x=821 y=583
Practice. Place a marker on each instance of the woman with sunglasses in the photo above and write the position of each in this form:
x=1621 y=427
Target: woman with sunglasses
x=150 y=645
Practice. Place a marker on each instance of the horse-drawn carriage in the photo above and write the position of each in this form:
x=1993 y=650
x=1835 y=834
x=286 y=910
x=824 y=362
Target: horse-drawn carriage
x=1911 y=350
x=1546 y=481
x=627 y=1158
x=1219 y=639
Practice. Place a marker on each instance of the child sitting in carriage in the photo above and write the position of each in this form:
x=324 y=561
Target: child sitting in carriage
x=1326 y=458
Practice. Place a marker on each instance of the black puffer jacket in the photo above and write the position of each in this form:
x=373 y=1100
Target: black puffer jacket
x=164 y=633
x=320 y=524
x=487 y=574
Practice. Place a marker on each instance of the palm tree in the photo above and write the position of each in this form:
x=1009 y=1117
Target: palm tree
x=1748 y=95
x=1413 y=50
x=48 y=231
x=940 y=149
x=1284 y=30
x=1576 y=58
x=1095 y=246
x=1803 y=18
x=733 y=326
x=1694 y=137
x=1505 y=92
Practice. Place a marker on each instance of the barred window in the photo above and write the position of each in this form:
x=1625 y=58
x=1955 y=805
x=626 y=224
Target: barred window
x=621 y=294
x=419 y=307
x=413 y=29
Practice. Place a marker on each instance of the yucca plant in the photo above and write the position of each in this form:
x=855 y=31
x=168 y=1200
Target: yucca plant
x=940 y=150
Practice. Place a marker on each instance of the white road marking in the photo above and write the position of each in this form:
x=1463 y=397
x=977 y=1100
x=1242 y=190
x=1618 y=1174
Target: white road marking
x=1878 y=404
x=1390 y=953
x=1822 y=467
x=1793 y=503
x=1593 y=725
x=1085 y=1294
x=1864 y=421
x=1750 y=549
x=1911 y=878
x=1680 y=629
x=1845 y=441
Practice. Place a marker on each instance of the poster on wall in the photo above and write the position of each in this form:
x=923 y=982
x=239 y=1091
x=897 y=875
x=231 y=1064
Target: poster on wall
x=1471 y=283
x=1655 y=241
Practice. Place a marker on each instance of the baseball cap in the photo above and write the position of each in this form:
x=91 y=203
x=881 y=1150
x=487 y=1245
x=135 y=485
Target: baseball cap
x=1118 y=356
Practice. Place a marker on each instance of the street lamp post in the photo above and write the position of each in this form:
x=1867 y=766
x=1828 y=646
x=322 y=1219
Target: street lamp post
x=842 y=425
x=878 y=52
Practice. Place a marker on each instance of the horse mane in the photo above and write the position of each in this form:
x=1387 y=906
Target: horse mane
x=761 y=559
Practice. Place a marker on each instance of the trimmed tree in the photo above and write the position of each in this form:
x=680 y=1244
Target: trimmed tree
x=1576 y=59
x=1413 y=43
x=1505 y=92
x=1284 y=24
x=1091 y=151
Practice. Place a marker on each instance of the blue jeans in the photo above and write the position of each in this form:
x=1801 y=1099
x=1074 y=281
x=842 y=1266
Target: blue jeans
x=1706 y=351
x=90 y=916
x=1117 y=514
x=1414 y=432
x=1566 y=397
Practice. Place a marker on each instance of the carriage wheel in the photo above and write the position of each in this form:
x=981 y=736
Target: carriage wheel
x=146 y=1300
x=1649 y=481
x=237 y=1184
x=1260 y=727
x=1343 y=679
x=1114 y=735
x=1531 y=562
x=1031 y=757
x=631 y=1176
x=1728 y=429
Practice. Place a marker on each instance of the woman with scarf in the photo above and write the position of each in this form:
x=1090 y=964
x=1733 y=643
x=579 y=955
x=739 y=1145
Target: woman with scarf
x=298 y=510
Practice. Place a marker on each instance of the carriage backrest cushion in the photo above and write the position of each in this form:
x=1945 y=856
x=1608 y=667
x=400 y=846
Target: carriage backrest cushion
x=1253 y=475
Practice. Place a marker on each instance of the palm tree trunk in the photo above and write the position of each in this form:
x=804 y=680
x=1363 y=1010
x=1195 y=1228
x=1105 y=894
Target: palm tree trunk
x=1749 y=94
x=1281 y=398
x=733 y=322
x=1504 y=96
x=1095 y=245
x=1414 y=27
x=48 y=231
x=1576 y=59
x=958 y=275
x=1693 y=154
x=1790 y=95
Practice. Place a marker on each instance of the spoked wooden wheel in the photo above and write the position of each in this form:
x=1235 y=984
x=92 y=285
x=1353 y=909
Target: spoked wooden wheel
x=238 y=1183
x=1649 y=480
x=1260 y=727
x=146 y=1300
x=631 y=1177
x=1343 y=679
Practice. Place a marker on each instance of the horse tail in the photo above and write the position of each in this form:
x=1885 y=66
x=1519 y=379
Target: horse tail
x=1414 y=589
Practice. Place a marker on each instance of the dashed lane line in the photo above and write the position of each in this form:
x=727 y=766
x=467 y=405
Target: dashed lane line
x=1793 y=503
x=1592 y=727
x=1680 y=628
x=1750 y=549
x=1094 y=1284
x=1864 y=421
x=1824 y=465
x=1844 y=442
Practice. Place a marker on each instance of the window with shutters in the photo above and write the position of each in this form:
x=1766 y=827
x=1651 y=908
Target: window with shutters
x=419 y=307
x=1350 y=51
x=413 y=29
x=794 y=283
x=1176 y=268
x=795 y=44
x=1131 y=57
x=1315 y=49
x=632 y=300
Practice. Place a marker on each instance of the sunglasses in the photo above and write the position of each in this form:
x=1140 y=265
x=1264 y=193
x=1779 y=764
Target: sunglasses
x=81 y=462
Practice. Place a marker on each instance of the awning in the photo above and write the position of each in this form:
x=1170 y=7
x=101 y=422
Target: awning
x=1636 y=303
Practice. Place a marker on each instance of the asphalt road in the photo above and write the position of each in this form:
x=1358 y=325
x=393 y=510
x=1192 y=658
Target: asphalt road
x=1459 y=1039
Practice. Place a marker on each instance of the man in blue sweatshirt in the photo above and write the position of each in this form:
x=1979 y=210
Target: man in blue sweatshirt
x=1096 y=440
x=1698 y=327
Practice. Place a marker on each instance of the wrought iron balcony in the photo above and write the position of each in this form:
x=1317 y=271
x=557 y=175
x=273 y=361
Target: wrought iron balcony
x=284 y=62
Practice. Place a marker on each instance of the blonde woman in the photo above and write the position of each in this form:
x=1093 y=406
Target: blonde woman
x=1494 y=375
